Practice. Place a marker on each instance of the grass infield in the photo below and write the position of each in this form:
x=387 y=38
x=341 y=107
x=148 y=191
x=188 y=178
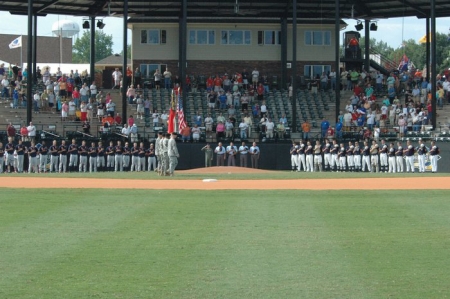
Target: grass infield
x=224 y=244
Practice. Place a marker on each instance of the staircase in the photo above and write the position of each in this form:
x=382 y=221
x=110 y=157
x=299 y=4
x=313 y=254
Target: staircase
x=382 y=63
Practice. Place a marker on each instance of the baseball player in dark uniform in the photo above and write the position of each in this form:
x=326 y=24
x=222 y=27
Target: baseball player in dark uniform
x=83 y=151
x=421 y=154
x=434 y=152
x=43 y=152
x=342 y=158
x=110 y=156
x=62 y=150
x=366 y=157
x=383 y=156
x=54 y=157
x=100 y=157
x=327 y=156
x=301 y=157
x=350 y=158
x=399 y=157
x=391 y=157
x=9 y=149
x=357 y=157
x=126 y=157
x=409 y=154
x=118 y=159
x=93 y=157
x=334 y=156
x=33 y=158
x=309 y=157
x=134 y=157
x=73 y=156
x=294 y=156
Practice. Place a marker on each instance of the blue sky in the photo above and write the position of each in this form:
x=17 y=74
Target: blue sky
x=389 y=30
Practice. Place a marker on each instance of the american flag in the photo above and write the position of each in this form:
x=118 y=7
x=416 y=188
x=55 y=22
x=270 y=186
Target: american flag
x=180 y=113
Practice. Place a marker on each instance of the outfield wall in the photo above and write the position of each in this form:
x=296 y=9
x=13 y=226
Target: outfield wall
x=274 y=156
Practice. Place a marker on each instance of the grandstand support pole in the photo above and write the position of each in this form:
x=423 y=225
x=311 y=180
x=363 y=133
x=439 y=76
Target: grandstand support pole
x=34 y=78
x=427 y=47
x=183 y=51
x=337 y=56
x=433 y=62
x=294 y=66
x=30 y=61
x=92 y=51
x=283 y=52
x=366 y=46
x=125 y=60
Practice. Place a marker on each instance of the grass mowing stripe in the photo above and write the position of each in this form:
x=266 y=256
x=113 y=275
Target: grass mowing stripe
x=398 y=242
x=30 y=247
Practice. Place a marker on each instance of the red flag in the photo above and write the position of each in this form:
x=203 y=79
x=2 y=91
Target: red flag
x=171 y=125
x=171 y=121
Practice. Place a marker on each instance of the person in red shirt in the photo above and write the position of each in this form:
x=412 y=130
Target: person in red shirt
x=76 y=97
x=129 y=76
x=118 y=119
x=217 y=83
x=24 y=133
x=69 y=88
x=260 y=92
x=353 y=44
x=357 y=90
x=188 y=83
x=330 y=132
x=209 y=84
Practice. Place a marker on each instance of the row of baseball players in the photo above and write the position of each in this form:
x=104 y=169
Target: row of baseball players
x=355 y=158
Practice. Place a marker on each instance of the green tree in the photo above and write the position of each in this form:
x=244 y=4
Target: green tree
x=82 y=46
x=128 y=52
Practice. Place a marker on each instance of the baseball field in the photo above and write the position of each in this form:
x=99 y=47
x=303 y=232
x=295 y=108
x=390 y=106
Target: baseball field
x=257 y=234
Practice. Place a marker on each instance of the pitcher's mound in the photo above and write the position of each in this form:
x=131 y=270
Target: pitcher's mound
x=224 y=170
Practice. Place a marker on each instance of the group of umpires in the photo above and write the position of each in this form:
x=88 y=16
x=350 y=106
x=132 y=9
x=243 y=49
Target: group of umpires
x=355 y=158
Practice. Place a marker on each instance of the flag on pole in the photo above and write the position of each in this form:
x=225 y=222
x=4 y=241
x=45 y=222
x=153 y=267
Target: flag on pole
x=171 y=122
x=17 y=43
x=181 y=121
x=423 y=39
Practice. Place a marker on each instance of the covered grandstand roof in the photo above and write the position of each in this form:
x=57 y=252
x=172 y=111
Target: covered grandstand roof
x=235 y=10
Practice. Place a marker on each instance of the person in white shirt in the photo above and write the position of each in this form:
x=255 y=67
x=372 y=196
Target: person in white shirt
x=72 y=110
x=125 y=130
x=155 y=117
x=229 y=128
x=164 y=118
x=36 y=102
x=255 y=77
x=93 y=90
x=220 y=154
x=254 y=154
x=195 y=133
x=5 y=88
x=243 y=128
x=231 y=152
x=269 y=128
x=167 y=79
x=347 y=120
x=332 y=76
x=209 y=123
x=263 y=109
x=243 y=155
x=117 y=76
x=31 y=132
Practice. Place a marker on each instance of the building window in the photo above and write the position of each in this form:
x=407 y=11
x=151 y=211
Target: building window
x=236 y=37
x=269 y=37
x=318 y=38
x=153 y=36
x=148 y=70
x=310 y=71
x=202 y=37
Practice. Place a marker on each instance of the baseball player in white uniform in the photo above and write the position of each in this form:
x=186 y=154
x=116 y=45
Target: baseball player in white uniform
x=366 y=157
x=334 y=156
x=350 y=159
x=301 y=157
x=294 y=156
x=357 y=157
x=342 y=158
x=434 y=152
x=309 y=157
x=409 y=154
x=392 y=159
x=318 y=156
x=421 y=154
x=374 y=157
x=327 y=156
x=383 y=156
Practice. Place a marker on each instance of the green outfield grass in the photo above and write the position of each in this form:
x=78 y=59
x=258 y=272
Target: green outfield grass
x=224 y=244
